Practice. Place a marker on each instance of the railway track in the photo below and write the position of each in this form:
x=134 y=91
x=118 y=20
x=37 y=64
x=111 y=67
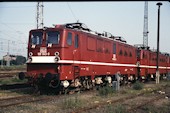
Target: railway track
x=86 y=109
x=9 y=74
x=14 y=86
x=6 y=76
x=134 y=108
x=13 y=101
x=6 y=102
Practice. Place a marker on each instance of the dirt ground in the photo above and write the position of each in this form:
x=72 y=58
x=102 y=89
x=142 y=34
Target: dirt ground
x=92 y=102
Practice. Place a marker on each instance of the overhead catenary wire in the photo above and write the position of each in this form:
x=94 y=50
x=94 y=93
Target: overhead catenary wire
x=18 y=32
x=12 y=46
x=17 y=6
x=72 y=12
x=24 y=41
x=18 y=23
x=11 y=37
x=11 y=28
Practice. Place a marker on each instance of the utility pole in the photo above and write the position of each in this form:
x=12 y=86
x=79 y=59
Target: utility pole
x=2 y=62
x=8 y=56
x=2 y=56
x=157 y=61
x=145 y=27
x=39 y=17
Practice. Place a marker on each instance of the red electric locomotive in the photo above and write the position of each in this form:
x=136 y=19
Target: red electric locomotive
x=73 y=56
x=147 y=60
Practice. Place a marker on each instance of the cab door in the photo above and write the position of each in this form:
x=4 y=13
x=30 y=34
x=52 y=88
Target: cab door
x=76 y=55
x=138 y=54
x=76 y=48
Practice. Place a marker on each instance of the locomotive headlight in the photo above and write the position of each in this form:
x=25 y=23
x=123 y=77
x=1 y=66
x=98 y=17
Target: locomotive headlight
x=65 y=83
x=30 y=54
x=57 y=58
x=56 y=53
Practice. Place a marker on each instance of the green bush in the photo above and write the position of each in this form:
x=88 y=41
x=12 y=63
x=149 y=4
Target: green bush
x=138 y=85
x=105 y=91
x=20 y=60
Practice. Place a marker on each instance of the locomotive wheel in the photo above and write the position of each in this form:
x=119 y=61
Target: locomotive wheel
x=54 y=83
x=139 y=78
x=124 y=81
x=21 y=76
x=148 y=78
x=134 y=79
x=91 y=84
x=36 y=89
x=87 y=84
x=48 y=77
x=154 y=77
x=98 y=86
x=42 y=84
x=66 y=91
x=161 y=76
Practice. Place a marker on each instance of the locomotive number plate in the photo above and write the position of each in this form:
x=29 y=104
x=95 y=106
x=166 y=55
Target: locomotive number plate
x=43 y=51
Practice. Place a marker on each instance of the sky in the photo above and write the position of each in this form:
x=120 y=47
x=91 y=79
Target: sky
x=124 y=19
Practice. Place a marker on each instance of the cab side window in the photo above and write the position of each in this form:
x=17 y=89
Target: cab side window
x=114 y=48
x=76 y=40
x=69 y=38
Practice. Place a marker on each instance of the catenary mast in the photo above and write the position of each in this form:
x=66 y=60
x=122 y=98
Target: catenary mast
x=145 y=27
x=39 y=16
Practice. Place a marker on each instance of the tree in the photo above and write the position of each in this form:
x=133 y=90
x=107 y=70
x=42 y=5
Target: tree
x=20 y=60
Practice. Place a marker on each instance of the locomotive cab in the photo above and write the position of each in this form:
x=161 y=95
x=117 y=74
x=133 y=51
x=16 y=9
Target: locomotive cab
x=44 y=48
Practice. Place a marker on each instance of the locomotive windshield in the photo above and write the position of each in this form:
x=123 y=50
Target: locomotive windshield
x=36 y=38
x=53 y=37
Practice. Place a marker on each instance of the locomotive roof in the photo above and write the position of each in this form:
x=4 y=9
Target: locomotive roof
x=81 y=27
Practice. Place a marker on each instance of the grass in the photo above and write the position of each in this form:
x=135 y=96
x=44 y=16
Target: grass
x=69 y=103
x=12 y=80
x=72 y=103
x=153 y=109
x=13 y=67
x=115 y=109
